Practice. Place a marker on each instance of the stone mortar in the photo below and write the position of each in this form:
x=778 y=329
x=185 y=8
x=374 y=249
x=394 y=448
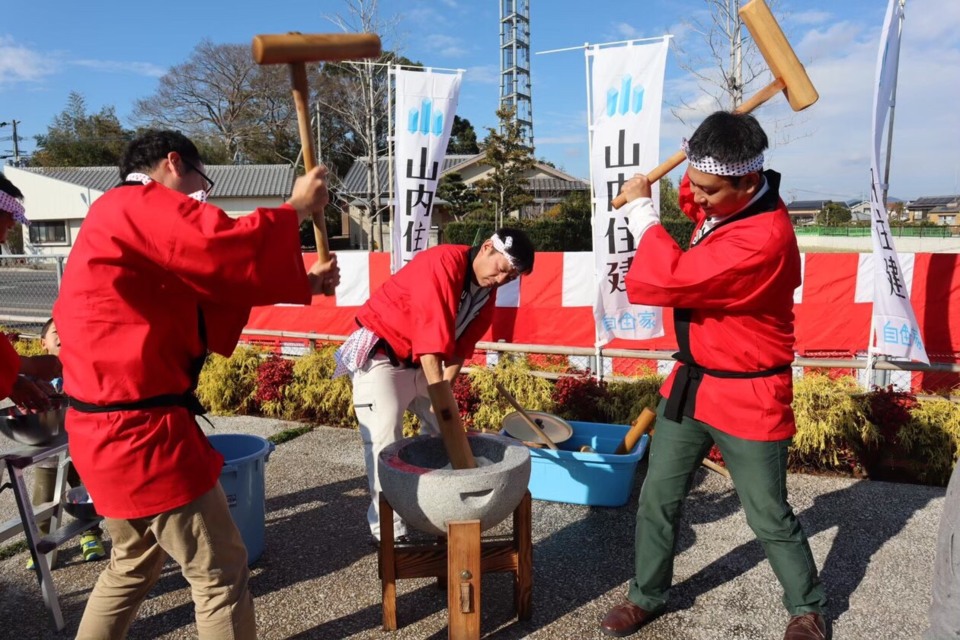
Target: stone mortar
x=427 y=495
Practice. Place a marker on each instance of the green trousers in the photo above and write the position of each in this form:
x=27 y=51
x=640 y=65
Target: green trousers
x=759 y=471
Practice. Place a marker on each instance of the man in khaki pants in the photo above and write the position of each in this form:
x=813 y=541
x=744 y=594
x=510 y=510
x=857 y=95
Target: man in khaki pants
x=156 y=278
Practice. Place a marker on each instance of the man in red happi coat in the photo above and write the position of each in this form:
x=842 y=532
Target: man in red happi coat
x=157 y=278
x=732 y=296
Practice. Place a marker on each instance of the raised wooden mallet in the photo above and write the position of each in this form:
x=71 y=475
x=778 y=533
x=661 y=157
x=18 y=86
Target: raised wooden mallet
x=789 y=76
x=296 y=50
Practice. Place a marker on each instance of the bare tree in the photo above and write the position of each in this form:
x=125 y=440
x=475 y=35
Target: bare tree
x=728 y=66
x=362 y=107
x=221 y=97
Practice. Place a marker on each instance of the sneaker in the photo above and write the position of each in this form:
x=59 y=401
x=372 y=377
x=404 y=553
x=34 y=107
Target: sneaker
x=31 y=565
x=92 y=547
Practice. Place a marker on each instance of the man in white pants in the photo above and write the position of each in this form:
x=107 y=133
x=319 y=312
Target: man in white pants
x=418 y=329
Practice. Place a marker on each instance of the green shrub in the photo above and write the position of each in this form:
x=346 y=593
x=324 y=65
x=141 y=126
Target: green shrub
x=627 y=399
x=532 y=392
x=314 y=395
x=28 y=347
x=227 y=385
x=831 y=426
x=931 y=439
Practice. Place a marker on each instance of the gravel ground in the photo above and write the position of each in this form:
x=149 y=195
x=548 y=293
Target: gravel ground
x=318 y=577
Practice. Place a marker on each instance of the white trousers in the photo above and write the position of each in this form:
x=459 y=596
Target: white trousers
x=381 y=394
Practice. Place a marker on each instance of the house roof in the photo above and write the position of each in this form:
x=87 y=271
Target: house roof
x=951 y=208
x=356 y=179
x=355 y=182
x=932 y=201
x=231 y=181
x=806 y=205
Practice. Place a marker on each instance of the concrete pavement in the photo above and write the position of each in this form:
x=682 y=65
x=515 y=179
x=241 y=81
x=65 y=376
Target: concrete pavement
x=317 y=577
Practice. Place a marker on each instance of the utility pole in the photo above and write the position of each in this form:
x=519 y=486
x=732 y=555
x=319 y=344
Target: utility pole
x=16 y=141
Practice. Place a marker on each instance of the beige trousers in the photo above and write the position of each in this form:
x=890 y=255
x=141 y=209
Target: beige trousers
x=203 y=539
x=381 y=394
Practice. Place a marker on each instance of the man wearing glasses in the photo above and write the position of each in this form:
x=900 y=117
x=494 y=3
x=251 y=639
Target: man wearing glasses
x=156 y=279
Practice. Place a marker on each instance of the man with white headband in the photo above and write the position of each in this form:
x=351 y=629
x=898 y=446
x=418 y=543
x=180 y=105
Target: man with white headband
x=157 y=277
x=418 y=329
x=732 y=385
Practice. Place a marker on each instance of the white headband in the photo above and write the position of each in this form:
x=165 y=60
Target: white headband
x=503 y=247
x=199 y=196
x=707 y=164
x=13 y=206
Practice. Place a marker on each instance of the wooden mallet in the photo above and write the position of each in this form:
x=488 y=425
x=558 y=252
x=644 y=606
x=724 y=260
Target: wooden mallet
x=789 y=76
x=451 y=429
x=297 y=49
x=641 y=425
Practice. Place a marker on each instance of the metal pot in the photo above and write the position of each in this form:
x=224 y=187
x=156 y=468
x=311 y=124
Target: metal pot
x=79 y=505
x=34 y=429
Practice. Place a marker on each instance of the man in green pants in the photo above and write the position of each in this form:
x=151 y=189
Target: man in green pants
x=732 y=296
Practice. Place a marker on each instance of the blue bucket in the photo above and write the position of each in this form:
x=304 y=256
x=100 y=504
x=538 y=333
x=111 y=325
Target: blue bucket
x=242 y=478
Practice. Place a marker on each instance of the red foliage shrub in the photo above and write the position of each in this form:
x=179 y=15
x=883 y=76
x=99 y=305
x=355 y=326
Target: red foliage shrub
x=273 y=375
x=467 y=399
x=889 y=410
x=714 y=455
x=579 y=397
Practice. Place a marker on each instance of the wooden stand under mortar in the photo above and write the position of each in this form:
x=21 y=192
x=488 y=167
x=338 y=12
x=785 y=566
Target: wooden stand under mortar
x=458 y=563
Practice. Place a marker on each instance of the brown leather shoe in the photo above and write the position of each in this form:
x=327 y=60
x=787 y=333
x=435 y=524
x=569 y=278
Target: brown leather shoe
x=809 y=626
x=625 y=619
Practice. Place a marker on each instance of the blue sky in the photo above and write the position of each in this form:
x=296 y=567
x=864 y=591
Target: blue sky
x=114 y=52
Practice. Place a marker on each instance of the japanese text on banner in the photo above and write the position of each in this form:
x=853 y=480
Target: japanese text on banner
x=426 y=102
x=626 y=89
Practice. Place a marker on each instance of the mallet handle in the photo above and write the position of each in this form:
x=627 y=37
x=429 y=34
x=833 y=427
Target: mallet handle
x=674 y=161
x=523 y=414
x=640 y=426
x=451 y=429
x=298 y=76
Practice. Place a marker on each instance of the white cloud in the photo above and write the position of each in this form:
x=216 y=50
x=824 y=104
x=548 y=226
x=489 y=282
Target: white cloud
x=122 y=66
x=806 y=18
x=19 y=63
x=483 y=74
x=447 y=46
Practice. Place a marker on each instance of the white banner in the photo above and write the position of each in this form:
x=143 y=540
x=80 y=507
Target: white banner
x=426 y=102
x=626 y=94
x=894 y=324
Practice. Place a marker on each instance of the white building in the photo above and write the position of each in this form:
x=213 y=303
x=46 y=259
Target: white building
x=57 y=199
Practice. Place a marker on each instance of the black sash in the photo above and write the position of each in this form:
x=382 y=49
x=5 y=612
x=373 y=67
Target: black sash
x=188 y=399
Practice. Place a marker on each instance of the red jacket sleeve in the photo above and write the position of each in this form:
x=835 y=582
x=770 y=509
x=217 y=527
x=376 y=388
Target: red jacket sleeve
x=730 y=271
x=9 y=366
x=248 y=261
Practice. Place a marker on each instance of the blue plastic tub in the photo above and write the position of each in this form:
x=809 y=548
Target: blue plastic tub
x=242 y=478
x=602 y=479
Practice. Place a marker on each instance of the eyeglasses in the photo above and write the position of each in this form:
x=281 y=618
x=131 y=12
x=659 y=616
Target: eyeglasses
x=202 y=174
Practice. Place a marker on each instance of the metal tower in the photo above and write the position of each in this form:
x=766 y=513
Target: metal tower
x=515 y=62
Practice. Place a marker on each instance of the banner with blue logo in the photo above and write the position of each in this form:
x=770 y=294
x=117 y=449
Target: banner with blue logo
x=426 y=102
x=625 y=99
x=895 y=328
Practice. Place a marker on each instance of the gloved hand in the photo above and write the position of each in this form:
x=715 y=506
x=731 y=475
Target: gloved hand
x=641 y=214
